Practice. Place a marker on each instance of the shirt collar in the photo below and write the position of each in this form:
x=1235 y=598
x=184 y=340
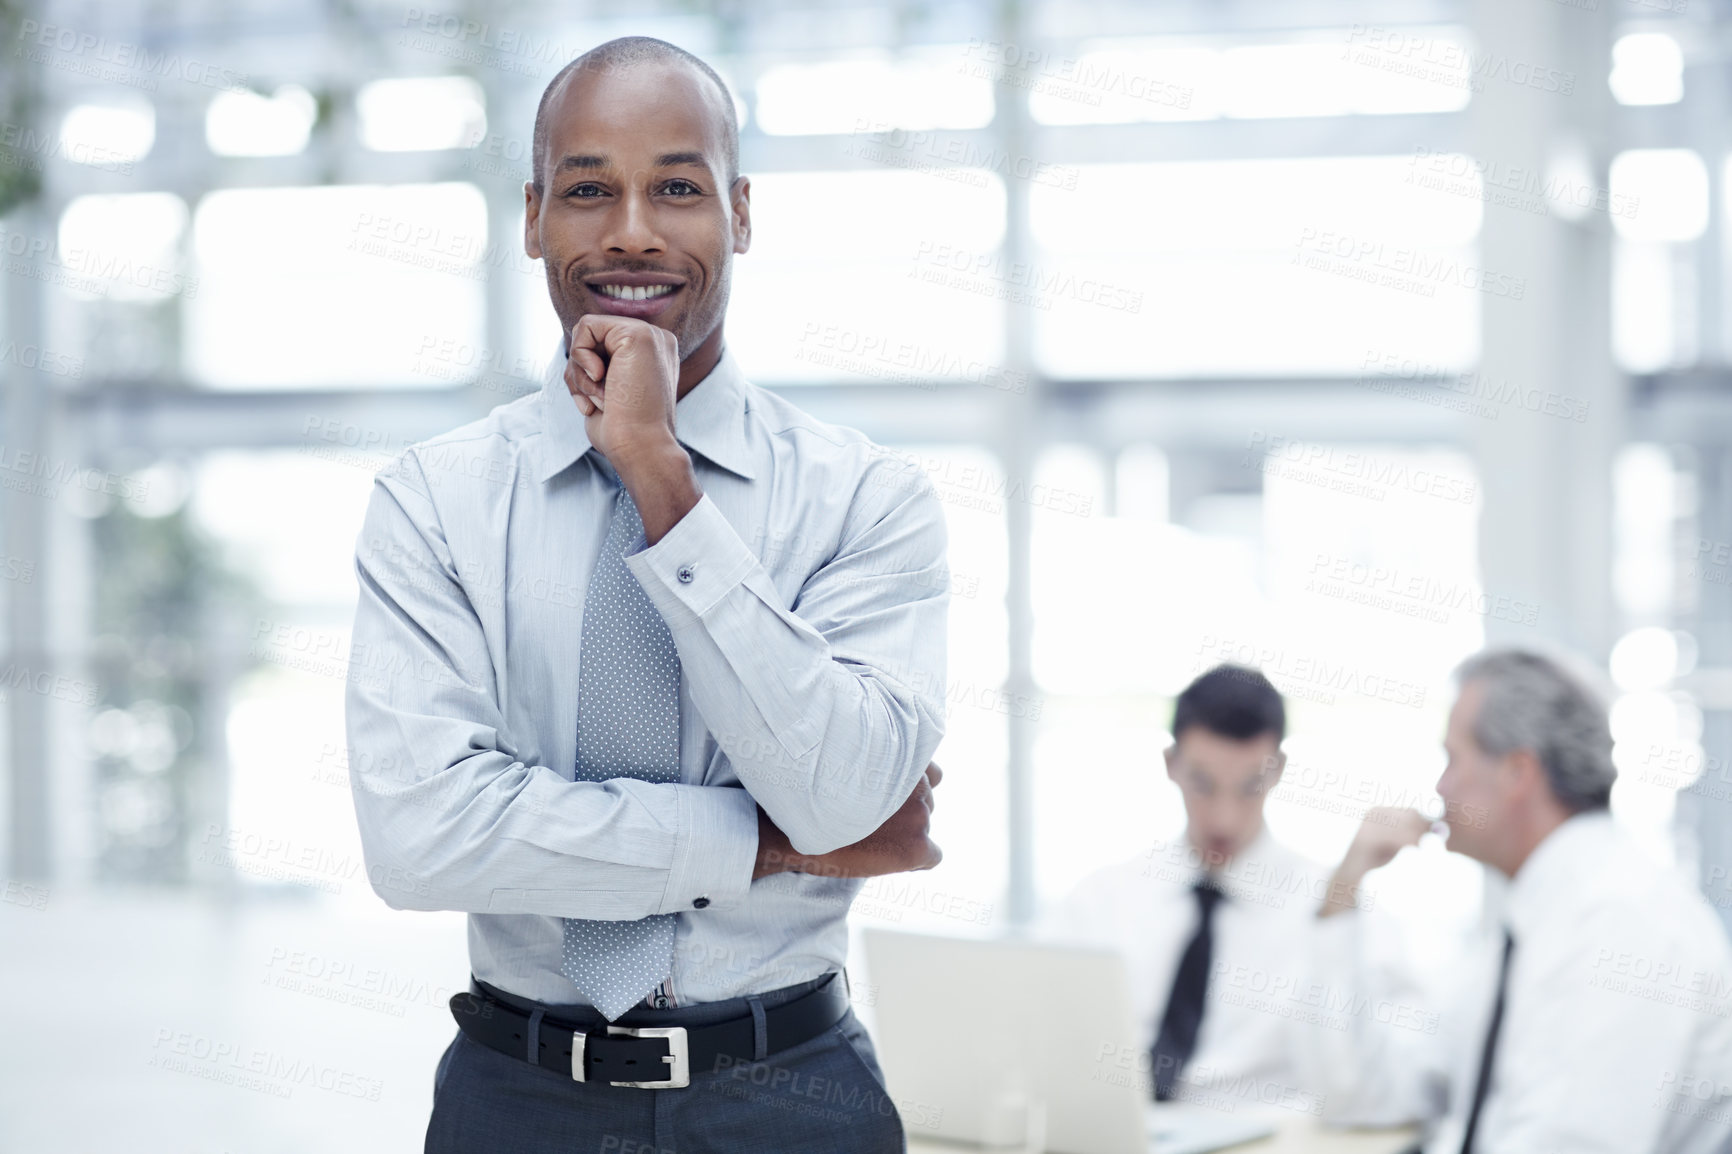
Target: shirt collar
x=1240 y=879
x=1555 y=868
x=710 y=420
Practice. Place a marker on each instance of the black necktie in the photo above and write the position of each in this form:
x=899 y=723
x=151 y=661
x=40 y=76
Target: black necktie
x=1177 y=1039
x=1491 y=1031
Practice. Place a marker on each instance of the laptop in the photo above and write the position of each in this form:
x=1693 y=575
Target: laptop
x=968 y=1029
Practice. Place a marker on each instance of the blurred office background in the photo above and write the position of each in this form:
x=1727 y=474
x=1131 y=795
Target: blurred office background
x=1336 y=338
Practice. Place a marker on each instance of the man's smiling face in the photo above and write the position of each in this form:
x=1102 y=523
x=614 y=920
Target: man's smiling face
x=635 y=216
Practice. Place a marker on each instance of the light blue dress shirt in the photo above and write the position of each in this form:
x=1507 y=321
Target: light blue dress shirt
x=807 y=595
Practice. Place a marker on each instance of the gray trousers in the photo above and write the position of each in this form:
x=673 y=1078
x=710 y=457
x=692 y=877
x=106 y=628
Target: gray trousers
x=826 y=1094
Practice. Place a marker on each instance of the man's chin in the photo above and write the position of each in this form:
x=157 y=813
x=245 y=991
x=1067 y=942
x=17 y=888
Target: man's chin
x=671 y=320
x=1462 y=842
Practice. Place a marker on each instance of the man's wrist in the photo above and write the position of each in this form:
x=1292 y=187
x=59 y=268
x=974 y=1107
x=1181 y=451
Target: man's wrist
x=652 y=450
x=1340 y=899
x=1343 y=892
x=657 y=472
x=777 y=855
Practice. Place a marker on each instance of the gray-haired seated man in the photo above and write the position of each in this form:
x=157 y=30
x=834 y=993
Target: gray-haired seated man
x=1597 y=1017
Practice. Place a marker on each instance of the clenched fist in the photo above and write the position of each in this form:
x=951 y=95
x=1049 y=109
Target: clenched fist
x=624 y=375
x=1385 y=832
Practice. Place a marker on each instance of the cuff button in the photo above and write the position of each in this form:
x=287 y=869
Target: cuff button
x=685 y=574
x=700 y=903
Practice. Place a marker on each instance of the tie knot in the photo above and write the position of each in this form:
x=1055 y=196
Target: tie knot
x=1208 y=894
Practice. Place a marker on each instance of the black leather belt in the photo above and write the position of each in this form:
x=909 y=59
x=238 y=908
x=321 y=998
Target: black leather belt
x=647 y=1057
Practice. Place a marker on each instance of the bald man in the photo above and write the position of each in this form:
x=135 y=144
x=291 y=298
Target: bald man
x=669 y=662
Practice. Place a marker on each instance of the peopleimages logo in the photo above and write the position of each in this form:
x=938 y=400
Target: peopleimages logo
x=477 y=42
x=1308 y=675
x=1399 y=267
x=1521 y=187
x=1394 y=369
x=90 y=51
x=1413 y=594
x=1350 y=471
x=987 y=273
x=30 y=146
x=885 y=355
x=1430 y=57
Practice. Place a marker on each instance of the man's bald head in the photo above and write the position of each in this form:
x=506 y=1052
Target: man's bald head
x=626 y=52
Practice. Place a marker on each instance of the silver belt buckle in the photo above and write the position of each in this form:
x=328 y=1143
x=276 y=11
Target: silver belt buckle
x=678 y=1056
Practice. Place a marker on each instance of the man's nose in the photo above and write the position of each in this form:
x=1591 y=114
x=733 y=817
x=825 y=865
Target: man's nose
x=633 y=225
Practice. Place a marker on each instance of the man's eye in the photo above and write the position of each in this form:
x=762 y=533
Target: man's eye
x=586 y=189
x=681 y=188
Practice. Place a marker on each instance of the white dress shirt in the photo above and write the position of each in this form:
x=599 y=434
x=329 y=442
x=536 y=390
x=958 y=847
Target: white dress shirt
x=1260 y=993
x=806 y=594
x=1617 y=1027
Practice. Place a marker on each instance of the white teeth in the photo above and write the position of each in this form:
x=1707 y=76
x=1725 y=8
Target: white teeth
x=636 y=292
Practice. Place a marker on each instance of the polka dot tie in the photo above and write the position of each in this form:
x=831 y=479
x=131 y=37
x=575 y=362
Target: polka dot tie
x=628 y=725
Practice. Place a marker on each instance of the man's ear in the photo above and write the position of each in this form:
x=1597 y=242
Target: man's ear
x=531 y=220
x=1526 y=776
x=1272 y=770
x=740 y=205
x=1171 y=754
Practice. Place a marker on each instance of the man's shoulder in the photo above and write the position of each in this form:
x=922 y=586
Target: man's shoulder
x=1095 y=906
x=1274 y=849
x=776 y=417
x=839 y=454
x=505 y=428
x=1624 y=892
x=486 y=449
x=1272 y=879
x=1141 y=871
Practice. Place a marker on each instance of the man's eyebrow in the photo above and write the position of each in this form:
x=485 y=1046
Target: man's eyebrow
x=591 y=163
x=670 y=159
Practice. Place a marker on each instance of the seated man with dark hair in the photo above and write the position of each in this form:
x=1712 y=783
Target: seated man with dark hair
x=1213 y=927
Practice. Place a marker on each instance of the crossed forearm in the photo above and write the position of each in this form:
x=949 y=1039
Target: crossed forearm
x=901 y=844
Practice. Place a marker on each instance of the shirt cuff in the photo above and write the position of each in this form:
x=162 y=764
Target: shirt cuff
x=695 y=564
x=718 y=851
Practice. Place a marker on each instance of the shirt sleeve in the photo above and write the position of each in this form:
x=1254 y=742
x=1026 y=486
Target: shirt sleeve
x=829 y=710
x=1386 y=1064
x=450 y=817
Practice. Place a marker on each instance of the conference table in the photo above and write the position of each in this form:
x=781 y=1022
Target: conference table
x=1301 y=1136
